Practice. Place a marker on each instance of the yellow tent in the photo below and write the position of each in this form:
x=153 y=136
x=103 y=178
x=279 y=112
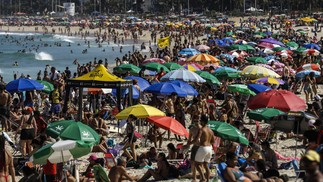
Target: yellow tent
x=99 y=73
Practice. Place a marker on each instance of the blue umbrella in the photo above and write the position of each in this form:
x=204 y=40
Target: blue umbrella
x=302 y=74
x=312 y=46
x=225 y=68
x=226 y=56
x=269 y=58
x=143 y=84
x=221 y=43
x=23 y=84
x=186 y=87
x=228 y=40
x=258 y=88
x=272 y=41
x=165 y=88
x=135 y=92
x=189 y=52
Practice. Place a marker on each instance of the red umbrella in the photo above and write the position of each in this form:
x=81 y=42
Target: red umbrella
x=168 y=123
x=266 y=45
x=279 y=99
x=156 y=60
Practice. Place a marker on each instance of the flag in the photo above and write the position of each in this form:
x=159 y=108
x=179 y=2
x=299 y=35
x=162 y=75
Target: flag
x=163 y=42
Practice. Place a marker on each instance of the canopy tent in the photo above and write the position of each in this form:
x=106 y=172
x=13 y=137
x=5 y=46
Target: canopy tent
x=99 y=77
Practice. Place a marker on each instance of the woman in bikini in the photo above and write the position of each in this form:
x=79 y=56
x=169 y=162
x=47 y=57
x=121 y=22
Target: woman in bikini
x=232 y=172
x=6 y=165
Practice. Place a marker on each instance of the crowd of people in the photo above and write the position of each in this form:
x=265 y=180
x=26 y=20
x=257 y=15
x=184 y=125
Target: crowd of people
x=27 y=114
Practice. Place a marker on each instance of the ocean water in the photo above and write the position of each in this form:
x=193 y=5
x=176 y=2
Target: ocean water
x=41 y=50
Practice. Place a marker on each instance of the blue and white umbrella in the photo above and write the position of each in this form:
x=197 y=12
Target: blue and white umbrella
x=302 y=74
x=184 y=75
x=186 y=87
x=165 y=88
x=23 y=84
x=189 y=52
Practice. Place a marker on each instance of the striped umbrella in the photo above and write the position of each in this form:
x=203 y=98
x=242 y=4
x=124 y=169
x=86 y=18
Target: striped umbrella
x=184 y=75
x=191 y=67
x=258 y=72
x=204 y=59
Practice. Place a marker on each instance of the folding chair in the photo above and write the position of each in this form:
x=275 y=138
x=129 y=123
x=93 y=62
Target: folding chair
x=220 y=169
x=261 y=134
x=299 y=173
x=110 y=160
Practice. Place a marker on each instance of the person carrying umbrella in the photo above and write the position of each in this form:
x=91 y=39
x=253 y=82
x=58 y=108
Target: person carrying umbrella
x=130 y=138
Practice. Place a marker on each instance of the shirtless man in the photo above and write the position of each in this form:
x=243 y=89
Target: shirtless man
x=204 y=153
x=119 y=173
x=6 y=164
x=4 y=108
x=193 y=139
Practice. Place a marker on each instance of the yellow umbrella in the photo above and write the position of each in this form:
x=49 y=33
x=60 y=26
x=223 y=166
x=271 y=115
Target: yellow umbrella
x=204 y=59
x=214 y=29
x=140 y=111
x=255 y=72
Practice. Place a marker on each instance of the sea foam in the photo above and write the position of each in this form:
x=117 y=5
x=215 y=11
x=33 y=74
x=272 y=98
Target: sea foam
x=43 y=56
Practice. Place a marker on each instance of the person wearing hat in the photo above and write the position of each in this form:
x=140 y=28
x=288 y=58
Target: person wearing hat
x=310 y=162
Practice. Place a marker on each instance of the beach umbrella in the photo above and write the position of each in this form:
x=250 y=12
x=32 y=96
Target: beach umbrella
x=315 y=67
x=264 y=113
x=169 y=124
x=203 y=58
x=202 y=48
x=186 y=87
x=241 y=89
x=127 y=67
x=312 y=46
x=172 y=66
x=302 y=74
x=266 y=45
x=240 y=41
x=184 y=75
x=72 y=130
x=191 y=67
x=23 y=84
x=48 y=87
x=154 y=60
x=208 y=77
x=292 y=44
x=226 y=72
x=261 y=34
x=61 y=151
x=125 y=91
x=155 y=67
x=256 y=59
x=227 y=132
x=275 y=81
x=265 y=66
x=143 y=83
x=189 y=52
x=228 y=40
x=277 y=49
x=258 y=72
x=272 y=41
x=311 y=52
x=300 y=50
x=241 y=47
x=279 y=99
x=268 y=51
x=238 y=53
x=258 y=88
x=140 y=111
x=166 y=88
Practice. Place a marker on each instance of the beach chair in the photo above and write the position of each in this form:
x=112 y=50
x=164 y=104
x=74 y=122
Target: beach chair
x=220 y=170
x=261 y=134
x=109 y=160
x=299 y=173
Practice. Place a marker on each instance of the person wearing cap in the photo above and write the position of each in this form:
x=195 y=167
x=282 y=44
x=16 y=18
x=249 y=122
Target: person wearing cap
x=88 y=174
x=119 y=173
x=310 y=162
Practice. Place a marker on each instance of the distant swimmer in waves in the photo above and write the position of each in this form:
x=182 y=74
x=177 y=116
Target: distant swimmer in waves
x=15 y=64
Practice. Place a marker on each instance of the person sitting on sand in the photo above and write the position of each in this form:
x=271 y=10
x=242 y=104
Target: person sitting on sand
x=232 y=172
x=172 y=153
x=118 y=173
x=269 y=155
x=161 y=172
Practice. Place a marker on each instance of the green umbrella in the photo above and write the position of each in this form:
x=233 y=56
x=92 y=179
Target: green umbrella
x=242 y=47
x=260 y=34
x=61 y=151
x=72 y=130
x=241 y=89
x=292 y=44
x=224 y=74
x=264 y=113
x=229 y=33
x=127 y=67
x=208 y=77
x=227 y=132
x=277 y=49
x=173 y=66
x=299 y=50
x=155 y=67
x=257 y=60
x=48 y=87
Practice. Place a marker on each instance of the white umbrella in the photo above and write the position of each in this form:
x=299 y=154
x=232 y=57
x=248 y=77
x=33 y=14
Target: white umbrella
x=184 y=75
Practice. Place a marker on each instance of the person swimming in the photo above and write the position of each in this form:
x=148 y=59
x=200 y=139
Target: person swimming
x=15 y=64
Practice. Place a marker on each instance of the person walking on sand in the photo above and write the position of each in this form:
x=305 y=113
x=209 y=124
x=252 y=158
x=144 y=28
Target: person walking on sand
x=130 y=138
x=204 y=153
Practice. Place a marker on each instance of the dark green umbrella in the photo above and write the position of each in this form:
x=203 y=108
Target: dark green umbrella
x=241 y=89
x=155 y=67
x=227 y=132
x=223 y=74
x=257 y=60
x=299 y=50
x=72 y=130
x=208 y=77
x=292 y=44
x=277 y=49
x=48 y=87
x=127 y=67
x=172 y=66
x=242 y=47
x=264 y=113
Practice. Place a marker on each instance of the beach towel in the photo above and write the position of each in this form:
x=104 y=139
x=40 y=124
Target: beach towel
x=280 y=157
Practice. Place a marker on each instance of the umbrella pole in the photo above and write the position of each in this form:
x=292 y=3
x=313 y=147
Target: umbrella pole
x=77 y=174
x=64 y=170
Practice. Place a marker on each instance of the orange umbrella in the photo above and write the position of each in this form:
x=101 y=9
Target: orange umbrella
x=168 y=123
x=204 y=59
